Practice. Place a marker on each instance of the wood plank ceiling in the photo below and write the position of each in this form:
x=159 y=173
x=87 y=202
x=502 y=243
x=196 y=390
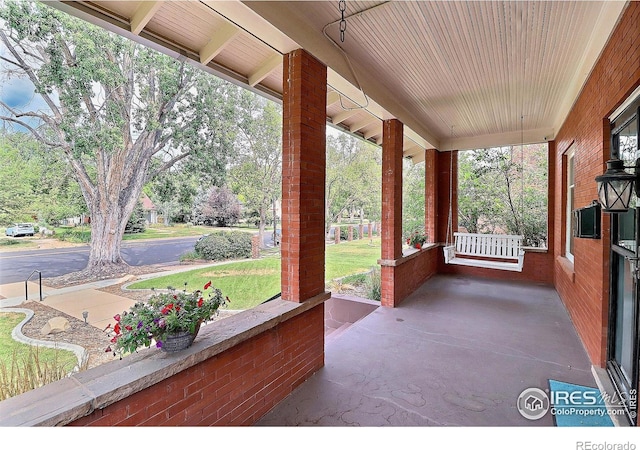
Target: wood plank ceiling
x=458 y=74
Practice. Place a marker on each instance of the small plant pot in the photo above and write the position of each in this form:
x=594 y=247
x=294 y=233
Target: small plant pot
x=181 y=340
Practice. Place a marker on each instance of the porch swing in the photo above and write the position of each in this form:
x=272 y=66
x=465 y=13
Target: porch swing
x=489 y=251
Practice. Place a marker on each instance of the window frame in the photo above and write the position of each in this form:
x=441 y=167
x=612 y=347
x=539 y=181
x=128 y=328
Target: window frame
x=570 y=197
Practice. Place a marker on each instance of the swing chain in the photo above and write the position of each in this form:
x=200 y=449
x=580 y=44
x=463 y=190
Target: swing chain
x=342 y=6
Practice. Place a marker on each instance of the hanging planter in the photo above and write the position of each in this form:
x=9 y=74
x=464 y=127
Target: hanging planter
x=170 y=319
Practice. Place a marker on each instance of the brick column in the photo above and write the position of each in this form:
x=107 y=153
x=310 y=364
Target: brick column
x=336 y=235
x=255 y=246
x=370 y=229
x=447 y=162
x=360 y=231
x=391 y=224
x=391 y=189
x=350 y=233
x=431 y=194
x=303 y=176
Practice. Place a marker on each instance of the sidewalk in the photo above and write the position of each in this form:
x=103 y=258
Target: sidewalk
x=100 y=306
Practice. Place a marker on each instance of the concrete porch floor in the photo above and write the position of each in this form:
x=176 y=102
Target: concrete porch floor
x=457 y=352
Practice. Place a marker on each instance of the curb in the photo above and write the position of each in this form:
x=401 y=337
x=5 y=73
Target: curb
x=80 y=352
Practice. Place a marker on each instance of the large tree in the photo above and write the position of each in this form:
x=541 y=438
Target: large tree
x=111 y=107
x=504 y=190
x=257 y=173
x=354 y=169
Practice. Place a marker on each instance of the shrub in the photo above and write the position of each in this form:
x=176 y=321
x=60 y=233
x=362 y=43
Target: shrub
x=222 y=245
x=374 y=284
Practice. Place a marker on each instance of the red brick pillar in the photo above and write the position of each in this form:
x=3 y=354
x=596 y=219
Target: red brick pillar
x=303 y=176
x=360 y=231
x=447 y=165
x=255 y=246
x=336 y=235
x=431 y=195
x=392 y=189
x=391 y=226
x=350 y=235
x=370 y=229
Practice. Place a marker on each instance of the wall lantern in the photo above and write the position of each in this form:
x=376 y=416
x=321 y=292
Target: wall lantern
x=615 y=186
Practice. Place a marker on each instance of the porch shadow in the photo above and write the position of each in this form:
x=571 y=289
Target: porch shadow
x=457 y=352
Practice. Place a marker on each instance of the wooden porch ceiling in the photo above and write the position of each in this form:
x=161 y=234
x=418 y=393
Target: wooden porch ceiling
x=458 y=74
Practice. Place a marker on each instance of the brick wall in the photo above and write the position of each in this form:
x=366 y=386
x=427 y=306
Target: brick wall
x=584 y=285
x=236 y=387
x=303 y=176
x=401 y=280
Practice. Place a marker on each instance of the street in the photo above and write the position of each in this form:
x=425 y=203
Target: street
x=17 y=266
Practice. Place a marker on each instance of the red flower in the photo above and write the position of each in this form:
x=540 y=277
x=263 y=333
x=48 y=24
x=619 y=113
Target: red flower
x=117 y=317
x=200 y=302
x=115 y=339
x=208 y=285
x=128 y=327
x=167 y=308
x=116 y=329
x=175 y=297
x=108 y=349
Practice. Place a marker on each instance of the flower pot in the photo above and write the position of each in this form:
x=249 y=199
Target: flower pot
x=418 y=246
x=181 y=340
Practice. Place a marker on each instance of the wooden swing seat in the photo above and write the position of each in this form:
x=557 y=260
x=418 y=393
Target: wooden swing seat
x=490 y=251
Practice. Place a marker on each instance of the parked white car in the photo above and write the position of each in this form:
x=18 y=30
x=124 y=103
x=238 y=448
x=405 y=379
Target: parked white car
x=20 y=229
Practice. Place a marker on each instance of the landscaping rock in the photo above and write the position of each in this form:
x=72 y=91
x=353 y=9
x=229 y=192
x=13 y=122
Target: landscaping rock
x=55 y=325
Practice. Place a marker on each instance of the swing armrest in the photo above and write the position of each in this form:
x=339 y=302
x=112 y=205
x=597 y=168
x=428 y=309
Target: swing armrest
x=449 y=253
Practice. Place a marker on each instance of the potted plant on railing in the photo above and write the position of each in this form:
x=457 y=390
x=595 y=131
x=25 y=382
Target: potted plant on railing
x=171 y=319
x=417 y=239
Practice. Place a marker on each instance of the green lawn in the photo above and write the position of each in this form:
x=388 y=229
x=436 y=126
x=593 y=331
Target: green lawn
x=82 y=234
x=249 y=283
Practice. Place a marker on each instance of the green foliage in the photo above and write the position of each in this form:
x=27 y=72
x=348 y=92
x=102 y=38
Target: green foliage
x=163 y=314
x=344 y=232
x=373 y=284
x=118 y=112
x=504 y=190
x=249 y=283
x=222 y=245
x=413 y=213
x=353 y=177
x=136 y=222
x=257 y=173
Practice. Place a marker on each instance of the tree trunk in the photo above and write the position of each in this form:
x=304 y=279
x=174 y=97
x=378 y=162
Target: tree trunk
x=263 y=219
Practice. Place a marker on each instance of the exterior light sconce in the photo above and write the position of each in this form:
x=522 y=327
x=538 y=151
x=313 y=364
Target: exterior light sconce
x=85 y=314
x=616 y=185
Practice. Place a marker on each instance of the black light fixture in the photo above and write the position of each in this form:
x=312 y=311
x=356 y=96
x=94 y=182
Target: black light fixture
x=616 y=185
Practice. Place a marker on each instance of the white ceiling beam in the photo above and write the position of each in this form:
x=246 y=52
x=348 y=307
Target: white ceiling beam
x=265 y=69
x=372 y=133
x=332 y=98
x=217 y=43
x=363 y=123
x=143 y=15
x=344 y=115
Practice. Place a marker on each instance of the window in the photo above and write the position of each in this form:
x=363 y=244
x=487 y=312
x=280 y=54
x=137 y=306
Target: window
x=570 y=158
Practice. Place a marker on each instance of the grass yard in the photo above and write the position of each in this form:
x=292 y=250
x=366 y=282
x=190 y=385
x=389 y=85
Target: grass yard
x=24 y=367
x=249 y=283
x=82 y=233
